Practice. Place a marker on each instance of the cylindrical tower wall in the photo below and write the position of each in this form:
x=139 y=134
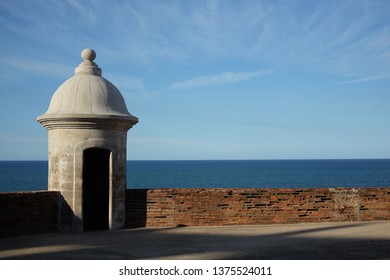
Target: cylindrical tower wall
x=66 y=147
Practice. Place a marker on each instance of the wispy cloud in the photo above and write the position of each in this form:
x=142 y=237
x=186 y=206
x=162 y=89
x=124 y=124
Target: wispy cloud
x=125 y=82
x=132 y=88
x=217 y=80
x=367 y=79
x=344 y=37
x=36 y=67
x=86 y=10
x=347 y=38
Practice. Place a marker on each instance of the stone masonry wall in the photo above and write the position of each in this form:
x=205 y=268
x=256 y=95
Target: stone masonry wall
x=28 y=212
x=194 y=207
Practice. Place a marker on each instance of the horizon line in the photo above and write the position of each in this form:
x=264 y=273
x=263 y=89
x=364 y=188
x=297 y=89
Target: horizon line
x=243 y=159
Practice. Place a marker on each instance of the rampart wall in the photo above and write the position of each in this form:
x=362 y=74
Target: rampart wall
x=195 y=207
x=28 y=212
x=38 y=211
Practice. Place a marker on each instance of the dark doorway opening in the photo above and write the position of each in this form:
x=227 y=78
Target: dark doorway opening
x=96 y=176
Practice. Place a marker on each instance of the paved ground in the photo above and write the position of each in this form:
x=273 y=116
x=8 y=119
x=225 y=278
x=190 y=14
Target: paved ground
x=297 y=242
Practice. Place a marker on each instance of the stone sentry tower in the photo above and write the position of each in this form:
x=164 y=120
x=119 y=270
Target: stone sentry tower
x=87 y=123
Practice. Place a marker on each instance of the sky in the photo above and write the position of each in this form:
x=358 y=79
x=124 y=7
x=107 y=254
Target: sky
x=248 y=79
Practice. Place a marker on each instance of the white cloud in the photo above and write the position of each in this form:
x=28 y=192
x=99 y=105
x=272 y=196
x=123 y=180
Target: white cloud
x=344 y=37
x=125 y=82
x=86 y=11
x=347 y=38
x=367 y=79
x=36 y=66
x=216 y=80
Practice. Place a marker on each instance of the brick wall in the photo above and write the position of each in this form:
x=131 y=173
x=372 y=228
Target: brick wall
x=36 y=212
x=192 y=207
x=28 y=212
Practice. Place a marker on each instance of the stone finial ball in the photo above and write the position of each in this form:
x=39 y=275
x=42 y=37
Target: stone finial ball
x=88 y=54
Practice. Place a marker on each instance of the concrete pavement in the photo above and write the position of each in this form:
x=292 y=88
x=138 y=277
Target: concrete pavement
x=357 y=240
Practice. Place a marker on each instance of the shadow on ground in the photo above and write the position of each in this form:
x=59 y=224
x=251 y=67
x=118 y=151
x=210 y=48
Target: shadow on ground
x=277 y=242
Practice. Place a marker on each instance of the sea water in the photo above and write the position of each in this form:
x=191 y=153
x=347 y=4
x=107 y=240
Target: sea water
x=32 y=175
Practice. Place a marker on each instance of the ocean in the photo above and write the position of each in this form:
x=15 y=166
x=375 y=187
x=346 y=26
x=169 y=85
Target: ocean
x=32 y=175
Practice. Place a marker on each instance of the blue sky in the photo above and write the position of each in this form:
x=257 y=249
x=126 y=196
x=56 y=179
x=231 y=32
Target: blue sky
x=246 y=79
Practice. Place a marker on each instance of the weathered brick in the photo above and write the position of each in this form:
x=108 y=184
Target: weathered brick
x=263 y=206
x=28 y=212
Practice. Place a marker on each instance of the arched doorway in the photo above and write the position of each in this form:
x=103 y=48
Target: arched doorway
x=96 y=186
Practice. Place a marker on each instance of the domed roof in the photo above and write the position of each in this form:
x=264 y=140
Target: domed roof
x=87 y=95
